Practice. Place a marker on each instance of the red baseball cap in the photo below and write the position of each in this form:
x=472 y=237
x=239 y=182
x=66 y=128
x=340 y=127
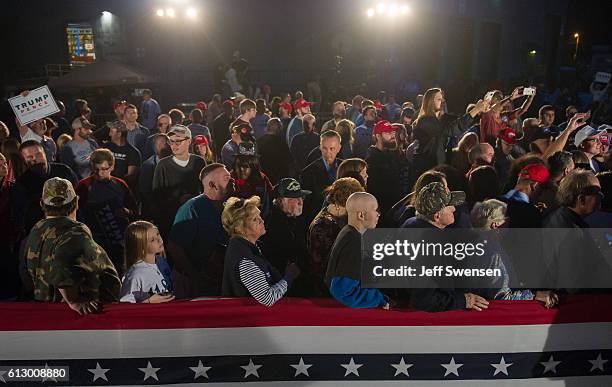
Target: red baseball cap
x=200 y=139
x=384 y=127
x=535 y=172
x=378 y=105
x=302 y=103
x=507 y=135
x=286 y=106
x=201 y=105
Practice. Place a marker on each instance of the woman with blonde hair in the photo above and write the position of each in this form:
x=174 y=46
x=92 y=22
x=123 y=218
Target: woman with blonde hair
x=325 y=228
x=62 y=140
x=148 y=275
x=433 y=128
x=345 y=130
x=201 y=147
x=246 y=272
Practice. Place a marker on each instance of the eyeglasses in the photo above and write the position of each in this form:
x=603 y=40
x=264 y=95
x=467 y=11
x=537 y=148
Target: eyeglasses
x=177 y=142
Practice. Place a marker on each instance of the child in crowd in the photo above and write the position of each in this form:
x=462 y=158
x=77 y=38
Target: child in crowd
x=148 y=275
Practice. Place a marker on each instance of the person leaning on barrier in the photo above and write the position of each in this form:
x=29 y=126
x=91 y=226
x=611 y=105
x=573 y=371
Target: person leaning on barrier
x=63 y=261
x=490 y=215
x=435 y=207
x=246 y=272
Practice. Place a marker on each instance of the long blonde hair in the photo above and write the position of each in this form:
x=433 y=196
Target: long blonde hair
x=427 y=106
x=136 y=242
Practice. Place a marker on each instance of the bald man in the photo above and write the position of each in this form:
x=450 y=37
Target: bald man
x=344 y=267
x=197 y=236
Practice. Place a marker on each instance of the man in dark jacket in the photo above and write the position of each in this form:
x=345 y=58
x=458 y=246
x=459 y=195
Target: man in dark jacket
x=571 y=253
x=522 y=212
x=274 y=156
x=221 y=127
x=385 y=165
x=435 y=207
x=321 y=173
x=303 y=143
x=285 y=239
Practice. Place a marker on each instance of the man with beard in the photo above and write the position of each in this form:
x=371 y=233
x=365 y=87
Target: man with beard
x=30 y=184
x=106 y=205
x=285 y=238
x=197 y=240
x=75 y=153
x=339 y=113
x=385 y=165
x=363 y=133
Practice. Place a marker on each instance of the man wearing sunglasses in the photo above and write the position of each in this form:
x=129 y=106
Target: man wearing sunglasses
x=574 y=258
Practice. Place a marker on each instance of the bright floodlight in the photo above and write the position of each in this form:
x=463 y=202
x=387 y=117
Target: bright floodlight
x=533 y=52
x=405 y=9
x=576 y=35
x=160 y=12
x=392 y=11
x=370 y=12
x=381 y=7
x=170 y=12
x=192 y=13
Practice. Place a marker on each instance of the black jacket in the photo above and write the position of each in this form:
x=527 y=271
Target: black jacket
x=432 y=135
x=274 y=157
x=301 y=146
x=315 y=178
x=386 y=176
x=239 y=248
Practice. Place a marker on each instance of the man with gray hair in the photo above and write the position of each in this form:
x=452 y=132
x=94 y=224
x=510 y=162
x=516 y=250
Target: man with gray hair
x=491 y=215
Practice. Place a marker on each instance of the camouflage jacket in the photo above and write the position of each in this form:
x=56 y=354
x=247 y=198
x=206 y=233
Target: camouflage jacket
x=60 y=253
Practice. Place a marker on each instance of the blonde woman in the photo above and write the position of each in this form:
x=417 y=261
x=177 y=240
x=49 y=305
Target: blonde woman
x=148 y=275
x=62 y=140
x=246 y=272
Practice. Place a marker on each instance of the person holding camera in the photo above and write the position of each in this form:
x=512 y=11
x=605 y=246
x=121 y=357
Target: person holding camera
x=501 y=114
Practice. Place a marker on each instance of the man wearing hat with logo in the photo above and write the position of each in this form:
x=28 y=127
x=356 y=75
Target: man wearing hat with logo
x=522 y=210
x=176 y=177
x=588 y=140
x=435 y=206
x=285 y=239
x=75 y=153
x=385 y=164
x=296 y=126
x=63 y=261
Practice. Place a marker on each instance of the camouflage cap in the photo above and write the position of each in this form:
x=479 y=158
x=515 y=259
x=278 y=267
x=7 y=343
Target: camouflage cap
x=179 y=131
x=57 y=192
x=434 y=197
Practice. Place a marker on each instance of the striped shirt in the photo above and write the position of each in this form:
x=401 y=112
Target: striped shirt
x=254 y=279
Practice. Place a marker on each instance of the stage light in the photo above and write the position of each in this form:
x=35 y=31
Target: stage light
x=533 y=52
x=576 y=35
x=170 y=12
x=370 y=12
x=381 y=7
x=393 y=10
x=160 y=12
x=192 y=13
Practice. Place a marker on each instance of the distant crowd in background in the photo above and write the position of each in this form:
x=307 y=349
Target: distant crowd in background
x=261 y=198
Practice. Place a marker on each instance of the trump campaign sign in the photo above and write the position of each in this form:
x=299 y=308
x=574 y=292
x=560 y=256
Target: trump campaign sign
x=38 y=103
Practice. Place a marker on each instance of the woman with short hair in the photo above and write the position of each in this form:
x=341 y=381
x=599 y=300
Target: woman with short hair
x=246 y=272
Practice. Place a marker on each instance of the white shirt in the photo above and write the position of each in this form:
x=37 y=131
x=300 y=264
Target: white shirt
x=182 y=163
x=30 y=135
x=141 y=281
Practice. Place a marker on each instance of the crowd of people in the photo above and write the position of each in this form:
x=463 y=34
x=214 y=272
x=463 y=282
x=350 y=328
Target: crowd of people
x=258 y=198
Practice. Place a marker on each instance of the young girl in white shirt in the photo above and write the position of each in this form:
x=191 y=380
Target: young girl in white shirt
x=148 y=275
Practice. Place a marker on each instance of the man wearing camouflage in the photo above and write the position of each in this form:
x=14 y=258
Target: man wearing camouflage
x=63 y=261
